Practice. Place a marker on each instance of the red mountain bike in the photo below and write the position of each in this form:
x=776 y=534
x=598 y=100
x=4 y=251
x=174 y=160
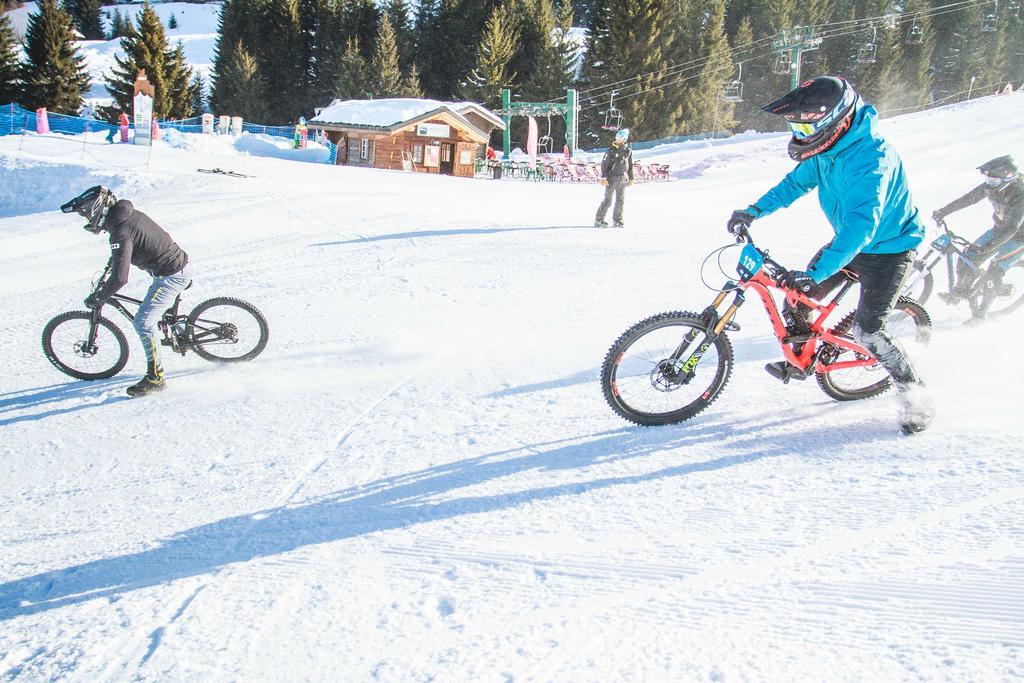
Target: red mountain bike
x=671 y=366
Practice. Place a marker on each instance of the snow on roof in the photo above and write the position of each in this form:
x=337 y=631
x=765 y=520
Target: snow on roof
x=388 y=112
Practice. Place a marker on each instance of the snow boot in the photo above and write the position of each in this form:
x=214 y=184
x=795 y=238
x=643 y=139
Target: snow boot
x=600 y=224
x=917 y=409
x=149 y=384
x=974 y=321
x=618 y=224
x=950 y=298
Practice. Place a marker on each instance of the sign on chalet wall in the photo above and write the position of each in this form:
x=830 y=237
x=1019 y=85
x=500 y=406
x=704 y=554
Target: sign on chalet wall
x=433 y=130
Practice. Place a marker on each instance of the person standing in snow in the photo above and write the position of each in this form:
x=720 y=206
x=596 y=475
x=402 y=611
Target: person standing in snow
x=135 y=239
x=1004 y=188
x=616 y=175
x=862 y=188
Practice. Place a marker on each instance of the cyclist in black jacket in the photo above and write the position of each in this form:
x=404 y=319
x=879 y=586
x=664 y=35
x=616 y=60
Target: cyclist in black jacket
x=135 y=239
x=1004 y=188
x=616 y=175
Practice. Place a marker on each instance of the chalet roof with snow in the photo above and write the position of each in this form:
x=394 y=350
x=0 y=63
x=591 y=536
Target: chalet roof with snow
x=390 y=115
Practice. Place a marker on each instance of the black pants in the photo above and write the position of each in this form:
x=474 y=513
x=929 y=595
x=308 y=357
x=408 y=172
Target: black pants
x=616 y=187
x=881 y=277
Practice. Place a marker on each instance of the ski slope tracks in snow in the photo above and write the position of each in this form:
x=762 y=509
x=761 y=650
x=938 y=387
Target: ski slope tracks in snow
x=419 y=478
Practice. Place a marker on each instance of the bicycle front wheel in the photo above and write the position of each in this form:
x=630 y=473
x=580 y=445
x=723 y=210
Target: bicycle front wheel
x=644 y=384
x=227 y=330
x=909 y=324
x=66 y=345
x=919 y=285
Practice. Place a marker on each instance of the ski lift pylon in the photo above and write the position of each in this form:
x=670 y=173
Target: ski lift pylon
x=612 y=117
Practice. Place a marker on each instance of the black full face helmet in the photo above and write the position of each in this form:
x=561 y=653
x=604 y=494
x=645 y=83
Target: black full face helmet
x=999 y=172
x=93 y=205
x=819 y=112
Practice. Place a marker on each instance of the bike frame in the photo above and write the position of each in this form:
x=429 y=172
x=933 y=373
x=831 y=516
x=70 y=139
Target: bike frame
x=118 y=301
x=762 y=283
x=950 y=253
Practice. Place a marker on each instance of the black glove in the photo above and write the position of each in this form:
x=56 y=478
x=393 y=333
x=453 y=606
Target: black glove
x=937 y=216
x=798 y=280
x=740 y=220
x=93 y=301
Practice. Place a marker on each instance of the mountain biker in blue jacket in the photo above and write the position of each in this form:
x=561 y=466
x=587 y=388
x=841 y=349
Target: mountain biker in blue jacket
x=862 y=188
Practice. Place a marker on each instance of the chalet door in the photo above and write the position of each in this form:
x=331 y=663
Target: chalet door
x=447 y=166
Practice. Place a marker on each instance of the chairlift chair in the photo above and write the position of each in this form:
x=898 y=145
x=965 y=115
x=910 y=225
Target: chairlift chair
x=915 y=35
x=612 y=117
x=782 y=64
x=734 y=90
x=545 y=143
x=989 y=23
x=867 y=54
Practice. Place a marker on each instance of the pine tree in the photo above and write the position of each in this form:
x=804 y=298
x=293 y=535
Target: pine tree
x=363 y=19
x=240 y=89
x=238 y=23
x=280 y=62
x=172 y=22
x=411 y=83
x=351 y=83
x=705 y=109
x=116 y=25
x=9 y=65
x=743 y=111
x=919 y=45
x=397 y=11
x=198 y=88
x=497 y=47
x=53 y=74
x=86 y=15
x=145 y=49
x=180 y=91
x=385 y=70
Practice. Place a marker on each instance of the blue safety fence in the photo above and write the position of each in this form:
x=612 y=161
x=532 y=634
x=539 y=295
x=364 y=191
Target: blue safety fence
x=17 y=120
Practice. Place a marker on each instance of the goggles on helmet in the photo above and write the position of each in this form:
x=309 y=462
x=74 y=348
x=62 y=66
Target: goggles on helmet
x=998 y=180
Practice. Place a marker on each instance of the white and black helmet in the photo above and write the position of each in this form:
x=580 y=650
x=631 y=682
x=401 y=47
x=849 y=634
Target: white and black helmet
x=999 y=171
x=93 y=205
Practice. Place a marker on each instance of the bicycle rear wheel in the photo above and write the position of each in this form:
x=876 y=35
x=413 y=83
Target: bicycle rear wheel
x=643 y=384
x=909 y=324
x=65 y=344
x=227 y=330
x=1008 y=295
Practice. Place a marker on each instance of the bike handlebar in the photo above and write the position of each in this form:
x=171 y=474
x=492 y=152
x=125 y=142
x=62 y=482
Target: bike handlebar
x=776 y=269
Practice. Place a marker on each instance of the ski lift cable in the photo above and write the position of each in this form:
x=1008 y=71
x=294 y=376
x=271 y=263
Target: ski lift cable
x=593 y=93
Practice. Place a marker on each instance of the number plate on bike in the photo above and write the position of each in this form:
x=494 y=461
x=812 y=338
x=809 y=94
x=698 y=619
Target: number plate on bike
x=941 y=242
x=750 y=262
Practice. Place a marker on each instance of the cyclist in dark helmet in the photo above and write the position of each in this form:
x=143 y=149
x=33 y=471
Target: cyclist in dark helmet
x=1003 y=186
x=135 y=239
x=862 y=188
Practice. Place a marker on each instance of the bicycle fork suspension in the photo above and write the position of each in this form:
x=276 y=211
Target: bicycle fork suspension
x=715 y=325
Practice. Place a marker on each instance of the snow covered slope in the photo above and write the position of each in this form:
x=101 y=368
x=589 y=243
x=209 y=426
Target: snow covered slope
x=419 y=478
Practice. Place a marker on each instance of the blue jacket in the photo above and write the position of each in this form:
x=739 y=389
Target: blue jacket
x=862 y=188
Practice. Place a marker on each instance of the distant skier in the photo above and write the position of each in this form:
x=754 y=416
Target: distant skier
x=616 y=175
x=135 y=239
x=1004 y=187
x=862 y=188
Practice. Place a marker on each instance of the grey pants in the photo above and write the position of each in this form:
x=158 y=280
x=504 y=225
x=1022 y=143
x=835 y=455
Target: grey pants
x=160 y=296
x=616 y=187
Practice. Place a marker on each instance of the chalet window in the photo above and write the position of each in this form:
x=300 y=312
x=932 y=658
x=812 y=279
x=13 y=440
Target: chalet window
x=417 y=154
x=446 y=153
x=364 y=149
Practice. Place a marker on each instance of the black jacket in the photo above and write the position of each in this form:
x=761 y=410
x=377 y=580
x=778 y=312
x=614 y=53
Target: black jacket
x=617 y=162
x=1007 y=210
x=136 y=239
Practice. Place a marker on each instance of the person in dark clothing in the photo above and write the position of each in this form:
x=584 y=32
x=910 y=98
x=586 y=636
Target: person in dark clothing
x=862 y=188
x=1004 y=241
x=616 y=175
x=135 y=239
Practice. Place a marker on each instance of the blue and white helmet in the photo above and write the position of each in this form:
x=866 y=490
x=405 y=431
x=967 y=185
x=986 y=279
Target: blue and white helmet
x=622 y=135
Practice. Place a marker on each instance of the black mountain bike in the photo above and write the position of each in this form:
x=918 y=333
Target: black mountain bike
x=1006 y=292
x=86 y=345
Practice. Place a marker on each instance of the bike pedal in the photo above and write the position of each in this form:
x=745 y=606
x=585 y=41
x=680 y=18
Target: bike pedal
x=165 y=342
x=785 y=371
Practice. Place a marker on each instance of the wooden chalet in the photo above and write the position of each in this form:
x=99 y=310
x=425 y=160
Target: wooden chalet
x=424 y=136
